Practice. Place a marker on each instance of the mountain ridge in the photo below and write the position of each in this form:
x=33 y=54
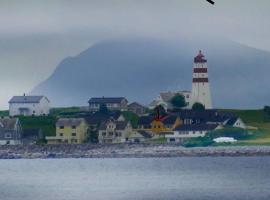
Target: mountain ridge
x=140 y=68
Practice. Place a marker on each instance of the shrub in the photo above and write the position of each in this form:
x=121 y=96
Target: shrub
x=198 y=106
x=198 y=142
x=178 y=101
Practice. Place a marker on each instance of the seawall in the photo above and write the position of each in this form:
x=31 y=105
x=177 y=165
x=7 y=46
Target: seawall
x=125 y=150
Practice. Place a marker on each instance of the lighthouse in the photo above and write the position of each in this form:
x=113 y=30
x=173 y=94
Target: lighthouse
x=200 y=82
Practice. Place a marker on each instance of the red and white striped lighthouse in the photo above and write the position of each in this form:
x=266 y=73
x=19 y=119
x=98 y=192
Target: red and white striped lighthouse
x=200 y=82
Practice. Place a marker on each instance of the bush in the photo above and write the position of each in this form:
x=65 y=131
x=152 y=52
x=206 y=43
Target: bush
x=198 y=106
x=178 y=101
x=198 y=142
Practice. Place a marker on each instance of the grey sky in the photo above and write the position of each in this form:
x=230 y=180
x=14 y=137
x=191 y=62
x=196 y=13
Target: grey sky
x=36 y=35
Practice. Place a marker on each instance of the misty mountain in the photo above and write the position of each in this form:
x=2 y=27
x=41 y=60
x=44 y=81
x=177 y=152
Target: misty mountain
x=140 y=68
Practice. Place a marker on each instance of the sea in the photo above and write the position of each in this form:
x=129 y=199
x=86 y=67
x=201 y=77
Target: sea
x=187 y=178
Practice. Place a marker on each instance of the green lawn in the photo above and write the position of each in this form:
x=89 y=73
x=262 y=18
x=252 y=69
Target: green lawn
x=255 y=118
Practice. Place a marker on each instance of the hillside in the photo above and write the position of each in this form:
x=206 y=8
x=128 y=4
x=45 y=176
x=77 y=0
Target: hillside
x=140 y=68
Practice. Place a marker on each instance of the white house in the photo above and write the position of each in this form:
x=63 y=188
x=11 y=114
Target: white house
x=164 y=99
x=190 y=131
x=236 y=122
x=29 y=105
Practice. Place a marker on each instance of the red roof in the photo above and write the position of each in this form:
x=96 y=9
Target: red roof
x=200 y=58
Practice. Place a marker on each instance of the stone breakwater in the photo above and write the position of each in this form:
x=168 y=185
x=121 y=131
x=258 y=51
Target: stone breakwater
x=125 y=150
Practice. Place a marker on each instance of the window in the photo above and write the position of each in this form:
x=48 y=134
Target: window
x=110 y=133
x=61 y=134
x=103 y=134
x=8 y=135
x=61 y=127
x=73 y=134
x=73 y=127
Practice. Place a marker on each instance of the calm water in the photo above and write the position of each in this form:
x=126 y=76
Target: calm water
x=136 y=178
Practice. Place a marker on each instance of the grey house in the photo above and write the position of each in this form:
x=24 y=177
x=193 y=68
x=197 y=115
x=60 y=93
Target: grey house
x=10 y=131
x=112 y=131
x=137 y=108
x=112 y=103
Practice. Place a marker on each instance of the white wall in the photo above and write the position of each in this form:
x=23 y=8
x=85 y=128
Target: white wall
x=41 y=108
x=201 y=91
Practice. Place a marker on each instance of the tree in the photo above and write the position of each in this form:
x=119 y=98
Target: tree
x=198 y=106
x=93 y=136
x=103 y=109
x=266 y=109
x=178 y=101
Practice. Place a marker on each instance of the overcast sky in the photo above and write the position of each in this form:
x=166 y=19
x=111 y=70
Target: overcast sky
x=36 y=35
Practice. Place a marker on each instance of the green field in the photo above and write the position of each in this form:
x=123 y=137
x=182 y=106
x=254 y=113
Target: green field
x=255 y=118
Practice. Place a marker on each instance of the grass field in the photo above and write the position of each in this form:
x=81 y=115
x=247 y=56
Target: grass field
x=255 y=118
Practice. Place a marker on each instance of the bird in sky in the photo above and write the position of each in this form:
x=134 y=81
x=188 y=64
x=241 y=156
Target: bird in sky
x=210 y=1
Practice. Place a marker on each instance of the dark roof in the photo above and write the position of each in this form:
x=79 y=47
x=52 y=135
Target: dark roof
x=232 y=121
x=200 y=58
x=69 y=121
x=107 y=100
x=145 y=134
x=135 y=104
x=97 y=118
x=26 y=99
x=120 y=125
x=8 y=123
x=205 y=115
x=145 y=120
x=169 y=120
x=196 y=127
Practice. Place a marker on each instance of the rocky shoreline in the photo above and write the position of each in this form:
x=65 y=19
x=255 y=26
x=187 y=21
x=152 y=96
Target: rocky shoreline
x=125 y=151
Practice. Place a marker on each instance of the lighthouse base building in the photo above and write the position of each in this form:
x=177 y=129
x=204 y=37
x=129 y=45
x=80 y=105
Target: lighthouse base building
x=200 y=92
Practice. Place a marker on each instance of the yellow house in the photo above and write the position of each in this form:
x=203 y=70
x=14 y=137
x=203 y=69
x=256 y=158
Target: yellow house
x=165 y=124
x=69 y=131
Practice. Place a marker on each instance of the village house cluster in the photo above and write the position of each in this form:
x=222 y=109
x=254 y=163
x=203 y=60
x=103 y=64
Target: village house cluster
x=114 y=127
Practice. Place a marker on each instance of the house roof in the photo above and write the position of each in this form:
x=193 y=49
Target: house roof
x=167 y=96
x=145 y=134
x=135 y=104
x=205 y=115
x=145 y=120
x=8 y=123
x=120 y=125
x=232 y=121
x=107 y=100
x=169 y=120
x=196 y=127
x=200 y=58
x=69 y=121
x=26 y=99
